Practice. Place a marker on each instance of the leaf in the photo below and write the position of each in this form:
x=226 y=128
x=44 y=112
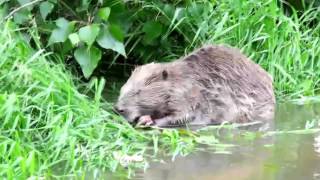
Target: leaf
x=168 y=10
x=74 y=39
x=23 y=2
x=88 y=59
x=116 y=32
x=66 y=48
x=88 y=34
x=45 y=9
x=107 y=41
x=21 y=16
x=85 y=3
x=84 y=6
x=31 y=162
x=104 y=13
x=152 y=30
x=3 y=9
x=61 y=33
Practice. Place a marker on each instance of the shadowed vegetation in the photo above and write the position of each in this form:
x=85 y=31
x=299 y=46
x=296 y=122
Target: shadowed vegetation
x=105 y=32
x=46 y=122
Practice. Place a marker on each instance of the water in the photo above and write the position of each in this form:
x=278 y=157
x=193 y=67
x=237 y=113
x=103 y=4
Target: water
x=293 y=156
x=290 y=154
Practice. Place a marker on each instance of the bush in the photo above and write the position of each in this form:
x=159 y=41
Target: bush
x=49 y=128
x=139 y=32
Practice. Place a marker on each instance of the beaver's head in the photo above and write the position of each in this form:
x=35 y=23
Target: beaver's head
x=147 y=92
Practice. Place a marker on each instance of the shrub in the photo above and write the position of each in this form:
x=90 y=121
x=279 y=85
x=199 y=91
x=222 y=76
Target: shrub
x=49 y=128
x=138 y=32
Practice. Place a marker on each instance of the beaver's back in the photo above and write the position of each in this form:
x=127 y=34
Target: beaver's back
x=242 y=83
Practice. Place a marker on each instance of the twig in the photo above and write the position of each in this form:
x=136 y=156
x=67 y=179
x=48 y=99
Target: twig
x=19 y=8
x=70 y=9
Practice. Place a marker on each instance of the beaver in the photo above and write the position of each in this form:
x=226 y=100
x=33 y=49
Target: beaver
x=211 y=85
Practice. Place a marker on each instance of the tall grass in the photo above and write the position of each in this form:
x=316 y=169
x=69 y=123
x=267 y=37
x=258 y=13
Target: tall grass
x=286 y=45
x=49 y=128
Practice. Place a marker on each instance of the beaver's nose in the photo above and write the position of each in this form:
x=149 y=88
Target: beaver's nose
x=118 y=110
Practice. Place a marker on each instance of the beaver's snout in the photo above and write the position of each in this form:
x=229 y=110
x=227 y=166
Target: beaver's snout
x=126 y=114
x=118 y=110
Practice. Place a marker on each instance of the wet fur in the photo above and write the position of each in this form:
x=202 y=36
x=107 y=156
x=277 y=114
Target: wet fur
x=209 y=86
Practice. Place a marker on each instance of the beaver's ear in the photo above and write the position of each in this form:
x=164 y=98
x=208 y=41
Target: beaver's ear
x=164 y=74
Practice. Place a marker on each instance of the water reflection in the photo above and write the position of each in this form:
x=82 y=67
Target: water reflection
x=283 y=156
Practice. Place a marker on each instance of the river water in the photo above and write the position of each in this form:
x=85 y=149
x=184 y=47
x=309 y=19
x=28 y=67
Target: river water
x=292 y=151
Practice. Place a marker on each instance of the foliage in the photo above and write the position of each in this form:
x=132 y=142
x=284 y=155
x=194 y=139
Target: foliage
x=145 y=31
x=49 y=128
x=74 y=34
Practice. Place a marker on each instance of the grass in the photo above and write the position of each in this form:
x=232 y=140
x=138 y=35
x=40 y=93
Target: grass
x=46 y=122
x=287 y=46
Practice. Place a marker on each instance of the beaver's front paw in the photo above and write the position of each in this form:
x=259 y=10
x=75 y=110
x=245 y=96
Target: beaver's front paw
x=145 y=121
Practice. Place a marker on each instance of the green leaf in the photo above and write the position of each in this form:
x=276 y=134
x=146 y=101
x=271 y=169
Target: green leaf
x=116 y=32
x=61 y=33
x=23 y=2
x=45 y=9
x=21 y=16
x=88 y=59
x=152 y=30
x=85 y=3
x=74 y=38
x=104 y=13
x=31 y=162
x=88 y=34
x=84 y=6
x=107 y=41
x=4 y=8
x=66 y=48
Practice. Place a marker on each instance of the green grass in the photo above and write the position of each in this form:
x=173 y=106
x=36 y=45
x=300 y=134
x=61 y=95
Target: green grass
x=47 y=124
x=287 y=46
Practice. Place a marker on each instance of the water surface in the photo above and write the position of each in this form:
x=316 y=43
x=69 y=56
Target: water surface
x=293 y=155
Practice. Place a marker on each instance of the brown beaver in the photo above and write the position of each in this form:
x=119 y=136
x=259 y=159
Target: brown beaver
x=214 y=84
